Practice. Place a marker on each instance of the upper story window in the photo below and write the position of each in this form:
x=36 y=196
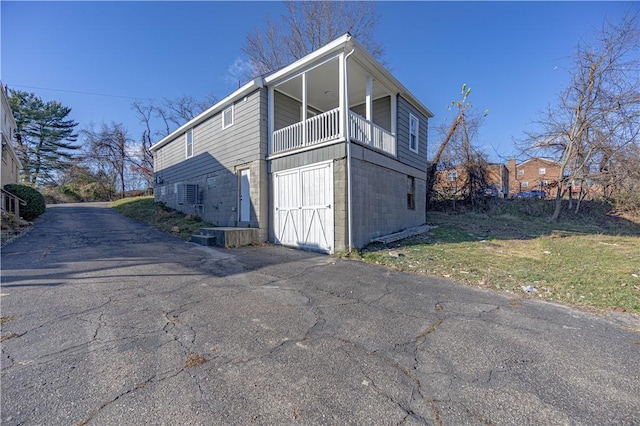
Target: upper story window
x=452 y=175
x=520 y=172
x=189 y=143
x=414 y=132
x=542 y=171
x=227 y=117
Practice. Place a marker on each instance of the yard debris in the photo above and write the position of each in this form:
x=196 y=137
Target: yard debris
x=529 y=288
x=409 y=232
x=396 y=253
x=618 y=309
x=175 y=230
x=546 y=252
x=635 y=276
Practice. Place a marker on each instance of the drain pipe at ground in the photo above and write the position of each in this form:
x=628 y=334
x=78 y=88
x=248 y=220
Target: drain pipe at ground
x=348 y=140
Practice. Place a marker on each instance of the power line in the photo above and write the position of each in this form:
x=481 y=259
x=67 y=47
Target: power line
x=81 y=92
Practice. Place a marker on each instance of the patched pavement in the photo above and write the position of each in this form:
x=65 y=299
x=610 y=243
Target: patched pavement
x=108 y=322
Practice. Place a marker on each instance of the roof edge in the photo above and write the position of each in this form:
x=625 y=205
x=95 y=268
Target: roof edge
x=249 y=87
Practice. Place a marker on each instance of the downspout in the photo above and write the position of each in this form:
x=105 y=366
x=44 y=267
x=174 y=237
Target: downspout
x=348 y=140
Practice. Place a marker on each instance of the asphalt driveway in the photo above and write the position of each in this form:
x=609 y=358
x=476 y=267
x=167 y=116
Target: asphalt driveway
x=108 y=322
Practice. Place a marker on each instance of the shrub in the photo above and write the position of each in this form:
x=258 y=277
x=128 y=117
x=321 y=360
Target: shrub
x=9 y=221
x=35 y=201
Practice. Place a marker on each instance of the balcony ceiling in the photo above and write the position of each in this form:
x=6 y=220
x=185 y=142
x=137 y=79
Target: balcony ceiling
x=323 y=86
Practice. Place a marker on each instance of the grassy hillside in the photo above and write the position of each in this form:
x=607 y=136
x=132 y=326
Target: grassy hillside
x=592 y=259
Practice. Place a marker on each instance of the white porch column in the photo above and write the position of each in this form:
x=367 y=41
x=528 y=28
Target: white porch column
x=342 y=96
x=369 y=108
x=304 y=109
x=270 y=120
x=394 y=121
x=394 y=114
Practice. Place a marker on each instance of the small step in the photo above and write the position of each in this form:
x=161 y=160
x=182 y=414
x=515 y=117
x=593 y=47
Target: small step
x=211 y=232
x=226 y=237
x=204 y=240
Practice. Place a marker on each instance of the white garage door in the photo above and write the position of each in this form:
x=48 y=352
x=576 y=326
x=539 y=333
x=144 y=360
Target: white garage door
x=304 y=207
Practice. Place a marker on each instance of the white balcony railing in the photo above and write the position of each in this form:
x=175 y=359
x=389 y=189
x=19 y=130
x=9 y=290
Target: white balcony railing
x=371 y=134
x=326 y=127
x=320 y=128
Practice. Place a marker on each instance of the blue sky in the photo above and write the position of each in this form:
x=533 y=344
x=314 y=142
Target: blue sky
x=514 y=55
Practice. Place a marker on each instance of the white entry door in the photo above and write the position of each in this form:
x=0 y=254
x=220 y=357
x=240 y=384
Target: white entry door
x=245 y=197
x=304 y=207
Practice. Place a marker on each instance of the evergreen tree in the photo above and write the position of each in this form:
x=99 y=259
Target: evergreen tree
x=45 y=136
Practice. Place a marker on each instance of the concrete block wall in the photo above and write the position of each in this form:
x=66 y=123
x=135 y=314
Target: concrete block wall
x=340 y=218
x=380 y=201
x=219 y=197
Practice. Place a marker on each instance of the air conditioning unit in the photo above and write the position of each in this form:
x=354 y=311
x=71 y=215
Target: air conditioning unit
x=187 y=193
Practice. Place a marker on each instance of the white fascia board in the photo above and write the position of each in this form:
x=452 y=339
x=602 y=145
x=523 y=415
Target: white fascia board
x=254 y=84
x=335 y=45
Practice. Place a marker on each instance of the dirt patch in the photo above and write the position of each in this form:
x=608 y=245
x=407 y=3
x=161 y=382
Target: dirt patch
x=4 y=320
x=194 y=360
x=8 y=336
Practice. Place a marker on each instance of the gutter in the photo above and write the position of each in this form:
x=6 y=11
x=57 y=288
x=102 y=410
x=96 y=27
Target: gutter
x=348 y=140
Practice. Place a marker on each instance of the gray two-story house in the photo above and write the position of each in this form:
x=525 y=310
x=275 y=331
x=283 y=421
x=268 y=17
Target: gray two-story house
x=324 y=154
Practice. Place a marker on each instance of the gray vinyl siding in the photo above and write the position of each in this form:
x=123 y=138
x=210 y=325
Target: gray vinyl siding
x=218 y=156
x=381 y=112
x=318 y=155
x=214 y=148
x=287 y=110
x=405 y=155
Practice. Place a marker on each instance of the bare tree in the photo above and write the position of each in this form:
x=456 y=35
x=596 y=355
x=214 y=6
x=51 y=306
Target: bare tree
x=110 y=150
x=160 y=119
x=456 y=150
x=596 y=118
x=145 y=113
x=307 y=26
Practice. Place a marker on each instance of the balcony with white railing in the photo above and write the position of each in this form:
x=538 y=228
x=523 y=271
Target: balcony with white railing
x=368 y=133
x=325 y=127
x=320 y=128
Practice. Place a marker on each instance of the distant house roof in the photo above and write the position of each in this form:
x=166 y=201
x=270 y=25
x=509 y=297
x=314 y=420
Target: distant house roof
x=544 y=160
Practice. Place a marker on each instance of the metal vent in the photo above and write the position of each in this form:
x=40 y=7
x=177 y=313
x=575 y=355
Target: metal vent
x=187 y=193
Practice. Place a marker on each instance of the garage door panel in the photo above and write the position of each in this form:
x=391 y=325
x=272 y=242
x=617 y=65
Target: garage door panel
x=314 y=223
x=303 y=204
x=291 y=226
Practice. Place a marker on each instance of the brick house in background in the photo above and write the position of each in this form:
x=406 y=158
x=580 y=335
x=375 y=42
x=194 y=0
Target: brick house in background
x=534 y=174
x=451 y=180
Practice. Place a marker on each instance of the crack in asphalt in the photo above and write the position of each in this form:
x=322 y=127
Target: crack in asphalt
x=63 y=317
x=131 y=390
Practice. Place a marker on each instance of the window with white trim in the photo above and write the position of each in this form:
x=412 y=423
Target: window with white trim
x=525 y=184
x=520 y=172
x=188 y=143
x=452 y=175
x=414 y=133
x=227 y=117
x=542 y=171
